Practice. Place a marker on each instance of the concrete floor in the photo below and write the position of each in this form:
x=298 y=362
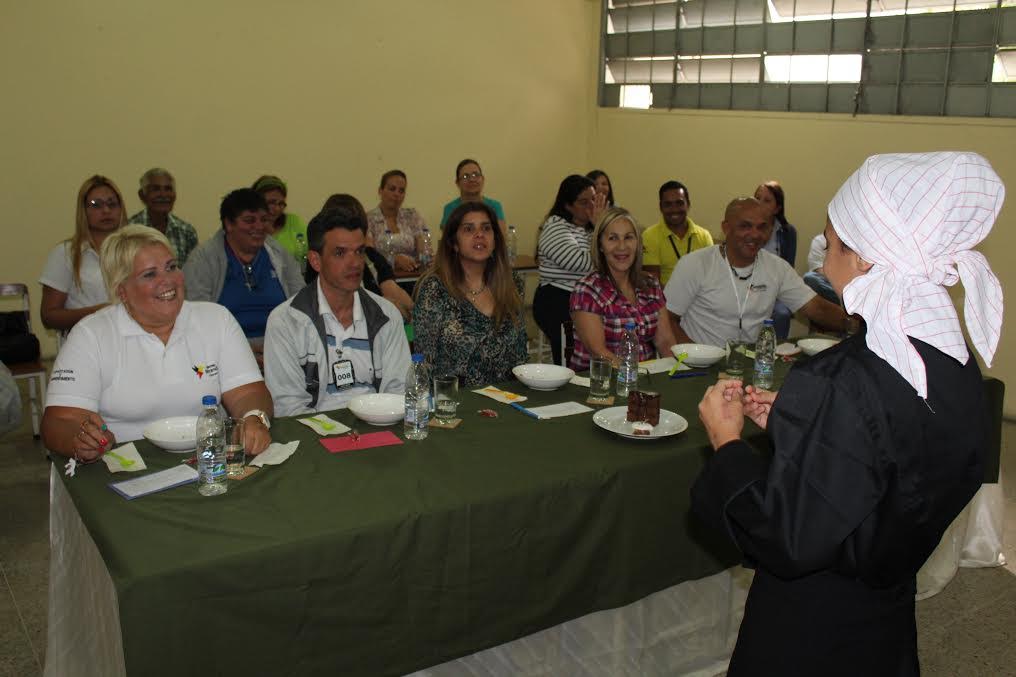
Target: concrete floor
x=967 y=629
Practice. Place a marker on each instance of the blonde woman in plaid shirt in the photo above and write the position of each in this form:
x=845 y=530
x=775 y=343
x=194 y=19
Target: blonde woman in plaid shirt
x=616 y=292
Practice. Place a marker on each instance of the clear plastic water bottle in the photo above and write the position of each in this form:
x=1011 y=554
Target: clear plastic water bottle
x=388 y=247
x=211 y=450
x=414 y=425
x=628 y=358
x=426 y=248
x=513 y=245
x=301 y=251
x=765 y=356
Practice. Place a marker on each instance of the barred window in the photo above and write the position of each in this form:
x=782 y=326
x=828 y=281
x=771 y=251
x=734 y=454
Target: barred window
x=906 y=57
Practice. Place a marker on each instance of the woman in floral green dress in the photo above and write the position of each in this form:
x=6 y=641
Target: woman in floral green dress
x=468 y=316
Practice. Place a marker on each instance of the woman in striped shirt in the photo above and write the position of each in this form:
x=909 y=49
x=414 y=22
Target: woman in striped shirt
x=563 y=252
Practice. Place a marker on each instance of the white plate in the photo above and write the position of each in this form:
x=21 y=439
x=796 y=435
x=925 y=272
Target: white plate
x=814 y=346
x=177 y=434
x=543 y=376
x=787 y=349
x=379 y=408
x=699 y=354
x=613 y=419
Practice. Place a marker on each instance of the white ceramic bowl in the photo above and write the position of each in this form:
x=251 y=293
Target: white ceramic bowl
x=699 y=354
x=543 y=376
x=177 y=434
x=379 y=408
x=813 y=346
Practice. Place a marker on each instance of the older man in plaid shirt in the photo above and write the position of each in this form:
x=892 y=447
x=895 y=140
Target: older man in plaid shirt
x=158 y=192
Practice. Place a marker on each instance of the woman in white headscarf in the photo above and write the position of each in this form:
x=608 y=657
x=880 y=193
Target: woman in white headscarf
x=878 y=442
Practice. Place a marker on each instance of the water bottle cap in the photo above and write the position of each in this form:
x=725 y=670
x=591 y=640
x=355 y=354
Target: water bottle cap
x=209 y=401
x=629 y=325
x=768 y=322
x=417 y=357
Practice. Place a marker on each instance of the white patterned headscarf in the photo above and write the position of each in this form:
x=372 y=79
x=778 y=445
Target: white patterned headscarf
x=916 y=218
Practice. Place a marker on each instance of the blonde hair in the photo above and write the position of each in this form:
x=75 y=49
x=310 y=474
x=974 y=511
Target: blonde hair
x=116 y=258
x=497 y=274
x=638 y=279
x=82 y=234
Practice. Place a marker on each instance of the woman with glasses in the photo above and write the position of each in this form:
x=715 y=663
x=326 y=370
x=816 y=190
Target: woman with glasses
x=405 y=223
x=563 y=252
x=72 y=285
x=287 y=228
x=469 y=179
x=468 y=315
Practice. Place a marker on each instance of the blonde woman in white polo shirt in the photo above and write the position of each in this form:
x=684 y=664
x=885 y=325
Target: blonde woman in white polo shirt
x=72 y=286
x=148 y=356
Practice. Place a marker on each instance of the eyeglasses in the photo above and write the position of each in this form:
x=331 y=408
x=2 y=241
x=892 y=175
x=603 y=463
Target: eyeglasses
x=248 y=277
x=111 y=203
x=277 y=203
x=470 y=175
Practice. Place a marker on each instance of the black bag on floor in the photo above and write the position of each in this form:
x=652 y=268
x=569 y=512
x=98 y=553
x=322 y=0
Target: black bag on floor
x=16 y=343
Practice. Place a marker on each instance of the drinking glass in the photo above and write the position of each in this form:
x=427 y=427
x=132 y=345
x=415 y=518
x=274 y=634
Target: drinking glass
x=737 y=358
x=232 y=429
x=446 y=397
x=599 y=378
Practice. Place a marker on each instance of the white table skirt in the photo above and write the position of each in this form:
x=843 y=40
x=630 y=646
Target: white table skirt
x=688 y=629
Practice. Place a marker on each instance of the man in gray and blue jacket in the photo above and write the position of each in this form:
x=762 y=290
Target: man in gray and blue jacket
x=334 y=340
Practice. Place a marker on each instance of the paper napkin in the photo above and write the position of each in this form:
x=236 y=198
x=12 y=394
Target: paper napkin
x=501 y=395
x=124 y=458
x=323 y=425
x=275 y=454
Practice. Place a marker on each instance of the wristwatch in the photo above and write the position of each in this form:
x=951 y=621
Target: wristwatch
x=262 y=416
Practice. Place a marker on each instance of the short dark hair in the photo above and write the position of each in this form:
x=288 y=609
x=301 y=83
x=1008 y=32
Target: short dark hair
x=239 y=201
x=569 y=190
x=675 y=185
x=330 y=219
x=467 y=161
x=345 y=201
x=389 y=174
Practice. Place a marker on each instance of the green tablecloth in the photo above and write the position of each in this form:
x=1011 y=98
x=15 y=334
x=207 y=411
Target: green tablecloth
x=388 y=560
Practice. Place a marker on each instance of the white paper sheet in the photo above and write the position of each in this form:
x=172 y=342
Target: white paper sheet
x=562 y=409
x=157 y=481
x=662 y=365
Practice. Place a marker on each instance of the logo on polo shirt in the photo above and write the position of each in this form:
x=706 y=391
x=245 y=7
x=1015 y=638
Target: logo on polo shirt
x=205 y=369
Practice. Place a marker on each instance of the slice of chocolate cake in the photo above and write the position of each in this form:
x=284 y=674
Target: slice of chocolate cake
x=636 y=407
x=650 y=407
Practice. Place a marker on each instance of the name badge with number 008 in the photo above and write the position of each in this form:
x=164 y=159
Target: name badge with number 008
x=342 y=372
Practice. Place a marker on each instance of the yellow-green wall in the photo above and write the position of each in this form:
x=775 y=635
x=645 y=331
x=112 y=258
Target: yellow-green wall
x=720 y=155
x=327 y=94
x=331 y=94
